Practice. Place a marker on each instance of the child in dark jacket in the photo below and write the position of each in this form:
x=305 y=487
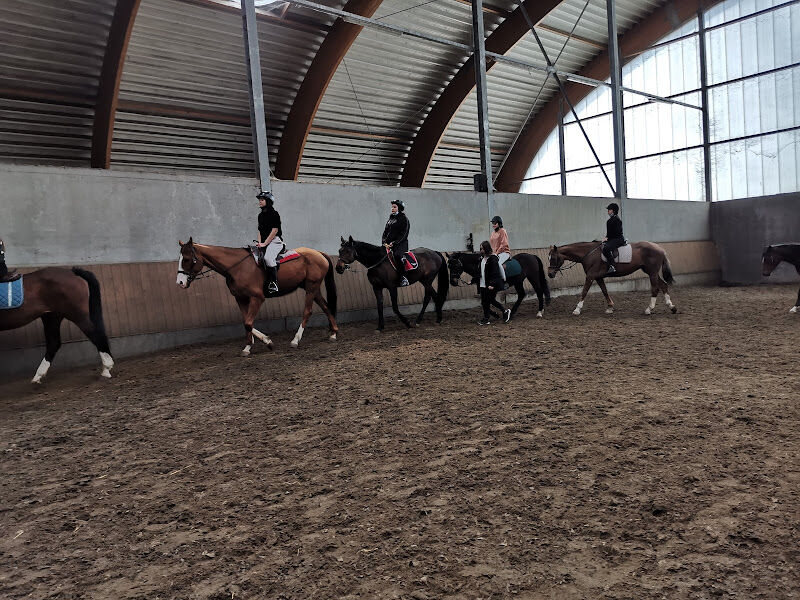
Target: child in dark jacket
x=491 y=282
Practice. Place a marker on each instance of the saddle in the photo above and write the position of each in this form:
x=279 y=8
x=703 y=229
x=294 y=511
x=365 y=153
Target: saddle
x=10 y=276
x=284 y=256
x=410 y=261
x=512 y=267
x=12 y=293
x=623 y=254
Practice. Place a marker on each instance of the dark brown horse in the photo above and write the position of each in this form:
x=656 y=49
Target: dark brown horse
x=777 y=253
x=52 y=295
x=647 y=256
x=532 y=270
x=245 y=280
x=382 y=274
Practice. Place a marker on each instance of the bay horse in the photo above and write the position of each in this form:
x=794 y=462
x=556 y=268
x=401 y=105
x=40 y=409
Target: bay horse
x=777 y=253
x=245 y=280
x=532 y=270
x=52 y=295
x=382 y=275
x=647 y=256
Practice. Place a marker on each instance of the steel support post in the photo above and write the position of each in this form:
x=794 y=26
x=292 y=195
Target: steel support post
x=562 y=160
x=478 y=40
x=701 y=42
x=621 y=187
x=258 y=121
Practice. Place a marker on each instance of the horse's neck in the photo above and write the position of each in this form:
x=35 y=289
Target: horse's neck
x=367 y=254
x=790 y=253
x=576 y=252
x=220 y=258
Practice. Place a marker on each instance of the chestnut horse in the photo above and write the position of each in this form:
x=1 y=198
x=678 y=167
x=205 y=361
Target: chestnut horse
x=245 y=280
x=774 y=255
x=52 y=295
x=647 y=256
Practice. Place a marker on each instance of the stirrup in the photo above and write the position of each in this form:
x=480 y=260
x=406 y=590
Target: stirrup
x=272 y=288
x=404 y=281
x=611 y=269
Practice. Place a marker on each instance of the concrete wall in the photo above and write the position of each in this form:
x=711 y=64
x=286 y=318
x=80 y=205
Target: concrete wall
x=743 y=228
x=57 y=216
x=126 y=226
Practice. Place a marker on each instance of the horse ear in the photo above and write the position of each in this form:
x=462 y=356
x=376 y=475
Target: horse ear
x=180 y=243
x=342 y=238
x=351 y=239
x=190 y=242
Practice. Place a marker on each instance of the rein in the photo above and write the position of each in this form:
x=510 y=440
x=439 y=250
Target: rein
x=575 y=263
x=203 y=274
x=355 y=257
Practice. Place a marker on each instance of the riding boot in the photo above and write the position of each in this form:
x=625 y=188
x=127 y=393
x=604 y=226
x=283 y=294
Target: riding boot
x=6 y=275
x=611 y=268
x=272 y=274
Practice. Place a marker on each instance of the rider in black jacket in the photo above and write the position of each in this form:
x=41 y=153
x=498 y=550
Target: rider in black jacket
x=614 y=237
x=395 y=237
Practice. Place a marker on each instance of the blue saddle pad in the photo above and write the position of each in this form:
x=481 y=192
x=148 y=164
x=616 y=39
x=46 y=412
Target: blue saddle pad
x=12 y=295
x=512 y=267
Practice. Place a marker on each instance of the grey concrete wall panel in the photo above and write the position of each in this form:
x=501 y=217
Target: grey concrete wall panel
x=742 y=228
x=56 y=216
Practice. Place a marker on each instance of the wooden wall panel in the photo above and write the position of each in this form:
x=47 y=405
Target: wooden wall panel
x=141 y=298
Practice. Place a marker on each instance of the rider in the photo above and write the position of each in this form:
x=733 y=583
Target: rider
x=614 y=238
x=499 y=242
x=269 y=237
x=491 y=282
x=5 y=274
x=395 y=236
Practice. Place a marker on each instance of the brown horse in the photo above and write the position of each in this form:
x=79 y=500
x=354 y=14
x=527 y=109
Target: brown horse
x=245 y=280
x=647 y=256
x=777 y=253
x=52 y=295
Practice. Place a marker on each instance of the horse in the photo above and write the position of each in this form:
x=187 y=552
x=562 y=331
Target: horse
x=52 y=295
x=382 y=274
x=647 y=256
x=532 y=270
x=774 y=255
x=245 y=280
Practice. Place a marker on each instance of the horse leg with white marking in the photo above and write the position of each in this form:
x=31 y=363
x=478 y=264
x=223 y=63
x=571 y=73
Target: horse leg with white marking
x=795 y=308
x=250 y=307
x=609 y=301
x=323 y=304
x=52 y=337
x=585 y=291
x=667 y=300
x=306 y=315
x=654 y=289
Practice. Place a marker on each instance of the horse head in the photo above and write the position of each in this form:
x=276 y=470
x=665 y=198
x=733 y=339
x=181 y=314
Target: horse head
x=455 y=267
x=769 y=260
x=190 y=263
x=347 y=254
x=556 y=261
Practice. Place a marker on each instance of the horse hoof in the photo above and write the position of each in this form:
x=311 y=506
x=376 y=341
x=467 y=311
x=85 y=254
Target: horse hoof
x=245 y=353
x=332 y=338
x=576 y=312
x=647 y=311
x=609 y=311
x=106 y=373
x=294 y=344
x=793 y=309
x=36 y=381
x=540 y=315
x=674 y=309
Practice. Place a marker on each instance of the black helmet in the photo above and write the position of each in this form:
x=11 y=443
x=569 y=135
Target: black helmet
x=265 y=195
x=613 y=206
x=400 y=206
x=498 y=220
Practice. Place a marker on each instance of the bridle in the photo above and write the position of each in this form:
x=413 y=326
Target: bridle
x=191 y=275
x=347 y=266
x=575 y=263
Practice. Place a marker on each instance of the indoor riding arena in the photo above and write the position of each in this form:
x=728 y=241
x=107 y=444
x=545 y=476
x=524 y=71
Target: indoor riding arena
x=621 y=178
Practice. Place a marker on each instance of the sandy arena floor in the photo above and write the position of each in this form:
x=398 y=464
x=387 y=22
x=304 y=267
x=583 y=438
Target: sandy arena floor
x=591 y=457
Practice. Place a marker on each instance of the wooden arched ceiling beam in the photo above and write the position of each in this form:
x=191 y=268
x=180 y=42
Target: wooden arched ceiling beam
x=638 y=39
x=306 y=103
x=500 y=41
x=108 y=89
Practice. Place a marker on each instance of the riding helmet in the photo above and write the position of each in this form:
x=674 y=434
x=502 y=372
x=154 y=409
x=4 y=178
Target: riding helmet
x=613 y=206
x=266 y=196
x=497 y=220
x=400 y=206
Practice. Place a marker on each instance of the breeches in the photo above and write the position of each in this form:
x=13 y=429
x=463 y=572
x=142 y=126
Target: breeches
x=271 y=252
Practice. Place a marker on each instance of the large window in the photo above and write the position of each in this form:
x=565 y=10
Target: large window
x=753 y=72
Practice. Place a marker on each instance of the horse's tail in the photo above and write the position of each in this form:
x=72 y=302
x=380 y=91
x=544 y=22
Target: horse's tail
x=543 y=280
x=443 y=280
x=666 y=271
x=330 y=286
x=95 y=308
